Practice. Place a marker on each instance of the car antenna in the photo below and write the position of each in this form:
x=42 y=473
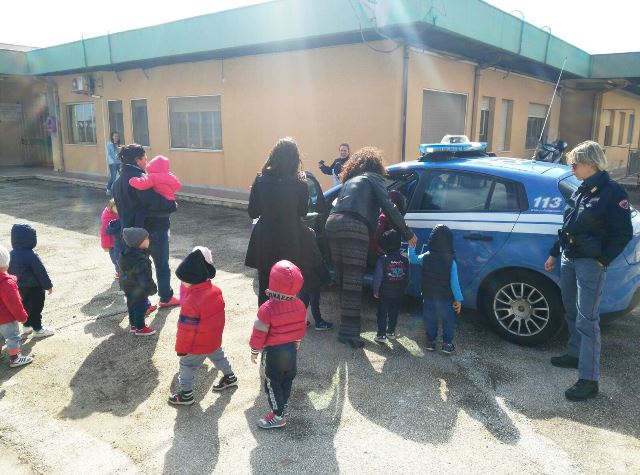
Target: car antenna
x=555 y=89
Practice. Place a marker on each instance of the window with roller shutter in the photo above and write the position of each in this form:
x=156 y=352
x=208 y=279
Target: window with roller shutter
x=442 y=113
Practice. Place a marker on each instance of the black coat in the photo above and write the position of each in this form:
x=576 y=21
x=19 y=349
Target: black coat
x=140 y=208
x=597 y=221
x=279 y=233
x=24 y=262
x=136 y=280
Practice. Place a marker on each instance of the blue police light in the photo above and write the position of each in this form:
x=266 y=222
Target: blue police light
x=429 y=148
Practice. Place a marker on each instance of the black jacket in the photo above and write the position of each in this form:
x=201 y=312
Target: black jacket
x=597 y=221
x=391 y=275
x=436 y=264
x=136 y=280
x=336 y=166
x=279 y=233
x=363 y=196
x=24 y=262
x=140 y=208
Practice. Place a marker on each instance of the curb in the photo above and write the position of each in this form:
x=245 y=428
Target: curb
x=188 y=197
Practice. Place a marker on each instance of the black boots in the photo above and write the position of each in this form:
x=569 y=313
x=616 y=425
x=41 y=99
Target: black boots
x=582 y=390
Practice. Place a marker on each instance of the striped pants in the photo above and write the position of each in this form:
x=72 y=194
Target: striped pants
x=349 y=241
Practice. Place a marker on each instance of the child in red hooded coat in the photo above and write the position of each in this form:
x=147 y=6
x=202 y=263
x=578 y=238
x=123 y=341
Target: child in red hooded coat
x=280 y=327
x=200 y=325
x=159 y=177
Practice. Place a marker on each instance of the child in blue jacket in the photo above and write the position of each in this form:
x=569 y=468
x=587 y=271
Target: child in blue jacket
x=33 y=279
x=441 y=294
x=389 y=284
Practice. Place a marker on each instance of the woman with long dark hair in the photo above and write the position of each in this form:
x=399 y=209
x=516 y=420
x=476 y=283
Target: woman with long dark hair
x=351 y=223
x=280 y=198
x=113 y=164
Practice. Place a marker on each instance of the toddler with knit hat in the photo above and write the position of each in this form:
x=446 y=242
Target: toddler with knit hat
x=136 y=280
x=11 y=312
x=200 y=325
x=278 y=330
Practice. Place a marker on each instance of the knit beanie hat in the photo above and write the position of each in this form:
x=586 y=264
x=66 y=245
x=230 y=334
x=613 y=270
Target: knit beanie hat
x=197 y=267
x=285 y=281
x=134 y=236
x=390 y=241
x=4 y=257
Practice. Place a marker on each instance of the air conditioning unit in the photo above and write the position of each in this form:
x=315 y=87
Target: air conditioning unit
x=81 y=84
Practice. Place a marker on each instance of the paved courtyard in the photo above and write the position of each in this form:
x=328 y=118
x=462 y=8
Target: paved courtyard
x=94 y=400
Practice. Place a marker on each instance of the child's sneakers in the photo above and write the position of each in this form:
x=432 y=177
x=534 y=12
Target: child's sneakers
x=431 y=346
x=271 y=421
x=381 y=338
x=448 y=348
x=19 y=360
x=146 y=331
x=150 y=308
x=391 y=335
x=44 y=331
x=173 y=302
x=132 y=329
x=182 y=398
x=227 y=381
x=323 y=325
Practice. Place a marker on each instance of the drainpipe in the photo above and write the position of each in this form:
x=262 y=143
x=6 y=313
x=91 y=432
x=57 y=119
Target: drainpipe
x=474 y=104
x=405 y=87
x=54 y=108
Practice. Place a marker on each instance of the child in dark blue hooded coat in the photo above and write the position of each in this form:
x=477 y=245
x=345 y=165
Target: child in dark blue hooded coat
x=33 y=279
x=441 y=294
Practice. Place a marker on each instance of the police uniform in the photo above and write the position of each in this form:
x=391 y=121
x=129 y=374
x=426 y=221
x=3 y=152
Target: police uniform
x=596 y=228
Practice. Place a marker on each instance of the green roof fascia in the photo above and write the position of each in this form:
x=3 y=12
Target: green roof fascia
x=13 y=62
x=617 y=65
x=282 y=21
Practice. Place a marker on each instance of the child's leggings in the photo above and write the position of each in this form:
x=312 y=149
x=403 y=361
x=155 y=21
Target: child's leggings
x=279 y=366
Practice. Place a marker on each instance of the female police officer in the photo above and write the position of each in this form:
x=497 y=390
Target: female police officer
x=596 y=228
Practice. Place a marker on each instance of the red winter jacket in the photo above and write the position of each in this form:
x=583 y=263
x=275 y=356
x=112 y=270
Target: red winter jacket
x=201 y=320
x=159 y=177
x=107 y=241
x=279 y=322
x=11 y=308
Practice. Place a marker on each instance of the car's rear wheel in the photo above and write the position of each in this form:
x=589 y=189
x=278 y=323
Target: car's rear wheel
x=523 y=307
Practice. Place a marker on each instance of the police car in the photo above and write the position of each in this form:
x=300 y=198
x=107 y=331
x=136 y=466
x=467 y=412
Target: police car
x=505 y=214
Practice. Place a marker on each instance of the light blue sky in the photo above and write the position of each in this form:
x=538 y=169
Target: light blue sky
x=593 y=25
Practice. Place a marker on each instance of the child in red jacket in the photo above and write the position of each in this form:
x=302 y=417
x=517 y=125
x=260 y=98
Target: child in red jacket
x=200 y=325
x=280 y=327
x=159 y=177
x=11 y=312
x=108 y=241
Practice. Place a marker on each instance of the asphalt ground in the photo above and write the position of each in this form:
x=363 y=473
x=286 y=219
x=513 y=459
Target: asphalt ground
x=95 y=398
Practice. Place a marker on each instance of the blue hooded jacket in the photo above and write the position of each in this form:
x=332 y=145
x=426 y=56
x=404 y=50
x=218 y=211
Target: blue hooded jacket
x=24 y=262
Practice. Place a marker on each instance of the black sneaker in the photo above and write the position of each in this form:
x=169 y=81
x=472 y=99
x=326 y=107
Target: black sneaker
x=381 y=338
x=227 y=381
x=391 y=335
x=431 y=346
x=323 y=325
x=582 y=390
x=448 y=348
x=181 y=398
x=564 y=361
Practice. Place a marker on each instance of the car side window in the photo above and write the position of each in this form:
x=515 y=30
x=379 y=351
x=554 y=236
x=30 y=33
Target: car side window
x=313 y=196
x=460 y=191
x=403 y=181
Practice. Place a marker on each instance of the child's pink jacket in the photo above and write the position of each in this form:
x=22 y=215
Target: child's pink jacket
x=158 y=177
x=107 y=241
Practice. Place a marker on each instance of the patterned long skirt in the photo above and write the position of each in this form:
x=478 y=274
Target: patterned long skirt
x=349 y=241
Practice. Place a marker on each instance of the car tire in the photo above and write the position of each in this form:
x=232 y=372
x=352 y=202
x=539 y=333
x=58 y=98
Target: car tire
x=523 y=307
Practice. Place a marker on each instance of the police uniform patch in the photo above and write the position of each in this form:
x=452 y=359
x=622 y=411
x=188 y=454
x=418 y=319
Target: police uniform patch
x=624 y=204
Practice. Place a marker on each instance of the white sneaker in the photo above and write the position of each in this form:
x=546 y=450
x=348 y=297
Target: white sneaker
x=20 y=361
x=44 y=331
x=26 y=330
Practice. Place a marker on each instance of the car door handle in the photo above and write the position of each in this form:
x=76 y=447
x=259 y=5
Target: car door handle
x=477 y=237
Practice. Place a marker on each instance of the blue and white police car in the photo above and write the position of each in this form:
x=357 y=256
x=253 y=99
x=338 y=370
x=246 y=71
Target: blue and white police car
x=505 y=214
